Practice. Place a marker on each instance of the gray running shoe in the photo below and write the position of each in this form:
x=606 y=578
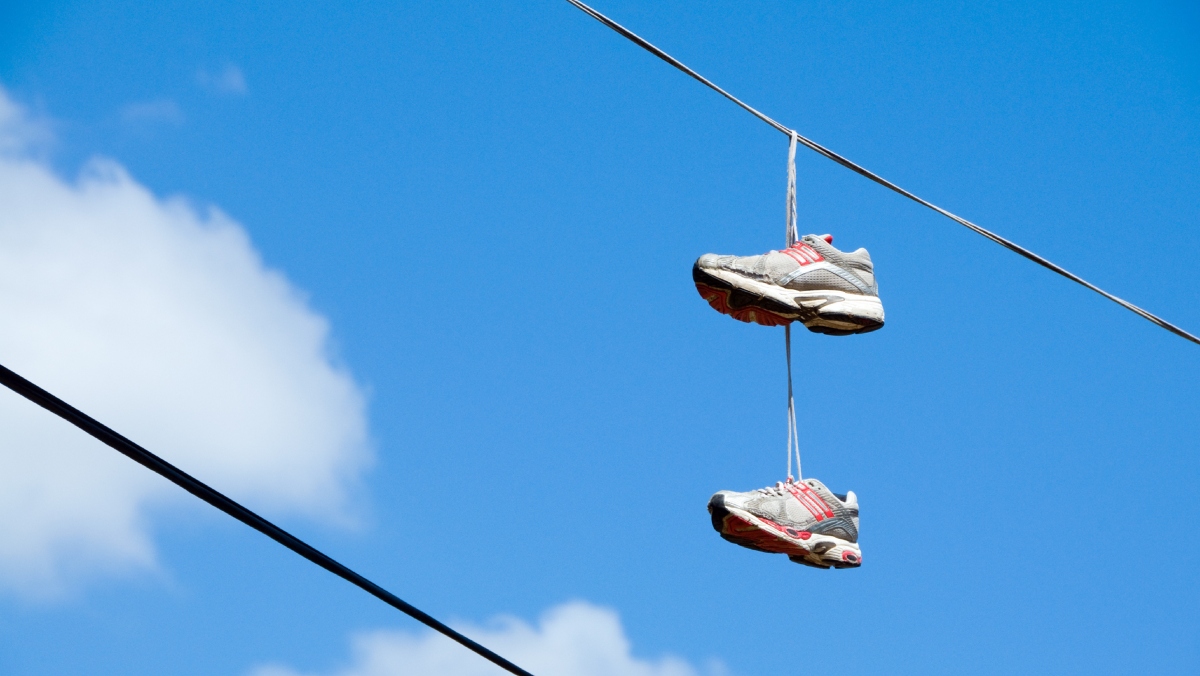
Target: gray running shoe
x=827 y=290
x=802 y=519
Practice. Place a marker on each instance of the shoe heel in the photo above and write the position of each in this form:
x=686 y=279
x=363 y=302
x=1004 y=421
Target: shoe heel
x=830 y=553
x=846 y=317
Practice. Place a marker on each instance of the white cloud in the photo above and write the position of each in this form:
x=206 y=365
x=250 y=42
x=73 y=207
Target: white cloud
x=230 y=80
x=18 y=132
x=161 y=320
x=574 y=639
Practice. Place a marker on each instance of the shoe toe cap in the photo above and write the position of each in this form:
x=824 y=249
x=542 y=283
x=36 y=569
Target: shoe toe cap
x=717 y=501
x=727 y=499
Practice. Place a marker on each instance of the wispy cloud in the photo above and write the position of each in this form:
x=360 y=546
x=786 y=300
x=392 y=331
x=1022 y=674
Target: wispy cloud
x=229 y=80
x=152 y=112
x=574 y=639
x=161 y=320
x=20 y=133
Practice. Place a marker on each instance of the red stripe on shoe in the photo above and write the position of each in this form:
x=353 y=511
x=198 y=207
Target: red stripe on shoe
x=815 y=507
x=811 y=506
x=794 y=256
x=803 y=254
x=821 y=501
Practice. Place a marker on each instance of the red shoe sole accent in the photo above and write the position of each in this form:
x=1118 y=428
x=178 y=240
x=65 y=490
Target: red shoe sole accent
x=742 y=530
x=719 y=300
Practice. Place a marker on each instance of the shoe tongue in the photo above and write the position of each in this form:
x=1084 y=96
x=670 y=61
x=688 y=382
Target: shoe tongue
x=828 y=239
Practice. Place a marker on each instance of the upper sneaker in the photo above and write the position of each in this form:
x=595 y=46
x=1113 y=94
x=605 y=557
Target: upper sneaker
x=802 y=519
x=828 y=290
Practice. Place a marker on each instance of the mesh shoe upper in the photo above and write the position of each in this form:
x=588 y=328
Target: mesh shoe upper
x=806 y=505
x=812 y=264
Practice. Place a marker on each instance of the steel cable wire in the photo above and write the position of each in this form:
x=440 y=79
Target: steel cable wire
x=826 y=152
x=210 y=495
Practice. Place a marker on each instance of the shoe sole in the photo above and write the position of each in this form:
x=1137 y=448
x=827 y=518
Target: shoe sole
x=810 y=549
x=833 y=313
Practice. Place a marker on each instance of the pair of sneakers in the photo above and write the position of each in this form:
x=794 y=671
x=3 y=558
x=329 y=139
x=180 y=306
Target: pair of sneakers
x=828 y=291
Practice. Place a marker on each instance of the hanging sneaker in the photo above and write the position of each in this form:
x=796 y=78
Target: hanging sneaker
x=827 y=290
x=802 y=519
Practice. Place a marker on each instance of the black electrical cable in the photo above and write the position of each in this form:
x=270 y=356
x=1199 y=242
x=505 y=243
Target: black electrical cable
x=201 y=490
x=822 y=150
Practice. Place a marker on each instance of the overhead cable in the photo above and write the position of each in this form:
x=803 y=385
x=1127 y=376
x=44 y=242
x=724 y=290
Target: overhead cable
x=826 y=152
x=201 y=490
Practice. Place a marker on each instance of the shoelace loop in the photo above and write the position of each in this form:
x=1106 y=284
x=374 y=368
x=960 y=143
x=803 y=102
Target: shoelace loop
x=780 y=488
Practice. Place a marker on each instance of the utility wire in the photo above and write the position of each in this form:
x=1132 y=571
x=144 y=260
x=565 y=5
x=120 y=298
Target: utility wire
x=822 y=150
x=201 y=490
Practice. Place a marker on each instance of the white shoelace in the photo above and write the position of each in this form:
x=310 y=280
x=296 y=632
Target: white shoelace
x=792 y=236
x=793 y=442
x=778 y=489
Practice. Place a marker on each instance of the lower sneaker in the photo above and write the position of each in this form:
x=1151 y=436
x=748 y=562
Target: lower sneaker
x=827 y=290
x=802 y=519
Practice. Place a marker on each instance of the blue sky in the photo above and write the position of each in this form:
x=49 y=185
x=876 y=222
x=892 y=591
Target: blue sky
x=485 y=214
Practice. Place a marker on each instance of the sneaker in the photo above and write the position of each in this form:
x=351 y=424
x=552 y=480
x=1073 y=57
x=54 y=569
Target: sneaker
x=802 y=519
x=829 y=291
